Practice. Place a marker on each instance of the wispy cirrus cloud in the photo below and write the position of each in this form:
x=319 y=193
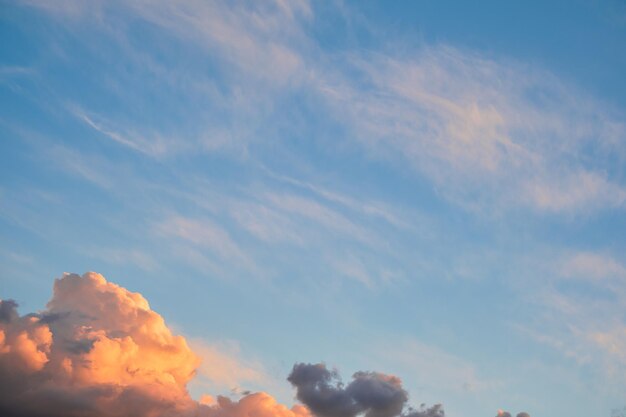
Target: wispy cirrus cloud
x=204 y=233
x=151 y=147
x=371 y=208
x=224 y=367
x=488 y=132
x=125 y=256
x=267 y=224
x=578 y=312
x=322 y=215
x=259 y=39
x=485 y=132
x=592 y=266
x=172 y=85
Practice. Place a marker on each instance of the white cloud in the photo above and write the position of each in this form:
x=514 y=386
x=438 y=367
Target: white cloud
x=204 y=233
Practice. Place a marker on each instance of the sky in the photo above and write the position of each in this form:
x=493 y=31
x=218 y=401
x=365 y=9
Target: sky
x=425 y=196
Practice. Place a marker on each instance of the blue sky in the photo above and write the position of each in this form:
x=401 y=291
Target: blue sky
x=427 y=189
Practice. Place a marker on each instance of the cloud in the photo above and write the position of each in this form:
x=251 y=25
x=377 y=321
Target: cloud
x=353 y=268
x=591 y=266
x=502 y=413
x=87 y=167
x=613 y=343
x=98 y=346
x=153 y=146
x=373 y=209
x=98 y=350
x=204 y=233
x=223 y=366
x=258 y=405
x=65 y=8
x=579 y=311
x=322 y=215
x=485 y=131
x=434 y=411
x=434 y=369
x=125 y=256
x=8 y=310
x=266 y=224
x=24 y=348
x=256 y=38
x=372 y=393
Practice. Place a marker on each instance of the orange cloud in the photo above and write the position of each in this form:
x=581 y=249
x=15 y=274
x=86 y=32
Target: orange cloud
x=99 y=350
x=258 y=404
x=25 y=347
x=119 y=339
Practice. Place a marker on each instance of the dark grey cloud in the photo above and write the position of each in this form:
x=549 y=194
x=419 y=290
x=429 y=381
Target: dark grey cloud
x=48 y=318
x=8 y=311
x=381 y=395
x=50 y=400
x=80 y=346
x=371 y=393
x=319 y=389
x=434 y=411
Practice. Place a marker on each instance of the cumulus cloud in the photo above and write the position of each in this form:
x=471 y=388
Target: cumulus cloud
x=371 y=393
x=7 y=310
x=99 y=350
x=258 y=404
